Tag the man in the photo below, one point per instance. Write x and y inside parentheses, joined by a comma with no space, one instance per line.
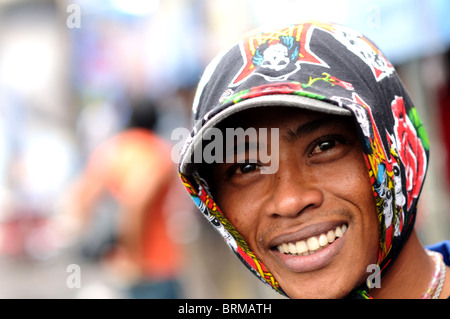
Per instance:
(320,190)
(135,170)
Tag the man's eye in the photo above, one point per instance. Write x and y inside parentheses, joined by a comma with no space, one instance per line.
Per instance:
(242,169)
(324,146)
(246,168)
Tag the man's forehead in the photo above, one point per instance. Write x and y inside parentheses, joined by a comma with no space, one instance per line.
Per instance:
(280,117)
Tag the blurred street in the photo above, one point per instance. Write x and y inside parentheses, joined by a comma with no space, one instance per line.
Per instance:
(48,279)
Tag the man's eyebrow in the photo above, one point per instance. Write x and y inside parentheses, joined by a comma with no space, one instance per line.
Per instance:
(312,126)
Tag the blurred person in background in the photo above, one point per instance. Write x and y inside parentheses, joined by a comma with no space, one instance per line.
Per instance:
(134,171)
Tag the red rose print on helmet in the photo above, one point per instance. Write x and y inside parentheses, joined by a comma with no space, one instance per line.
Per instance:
(410,150)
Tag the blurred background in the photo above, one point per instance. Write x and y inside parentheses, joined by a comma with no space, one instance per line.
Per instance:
(71,75)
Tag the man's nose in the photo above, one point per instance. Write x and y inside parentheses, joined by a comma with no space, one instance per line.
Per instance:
(294,191)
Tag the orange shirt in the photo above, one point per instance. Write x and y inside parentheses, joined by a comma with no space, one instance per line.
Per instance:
(135,165)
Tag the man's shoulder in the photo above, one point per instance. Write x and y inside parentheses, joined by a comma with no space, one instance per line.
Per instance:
(442,247)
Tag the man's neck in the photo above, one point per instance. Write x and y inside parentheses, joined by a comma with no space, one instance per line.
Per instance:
(410,274)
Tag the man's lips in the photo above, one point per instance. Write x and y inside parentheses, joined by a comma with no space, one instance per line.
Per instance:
(311,247)
(306,232)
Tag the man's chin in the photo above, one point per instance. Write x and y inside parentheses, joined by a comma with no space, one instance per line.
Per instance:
(326,287)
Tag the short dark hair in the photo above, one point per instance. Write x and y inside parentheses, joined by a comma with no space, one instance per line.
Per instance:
(144,114)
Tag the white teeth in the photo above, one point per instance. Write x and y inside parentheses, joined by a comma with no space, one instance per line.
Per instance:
(338,232)
(301,247)
(312,244)
(292,248)
(331,236)
(323,241)
(281,248)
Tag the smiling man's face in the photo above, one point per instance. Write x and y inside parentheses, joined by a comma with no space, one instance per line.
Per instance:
(312,223)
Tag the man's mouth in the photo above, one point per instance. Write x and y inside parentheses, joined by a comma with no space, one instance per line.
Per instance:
(312,244)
